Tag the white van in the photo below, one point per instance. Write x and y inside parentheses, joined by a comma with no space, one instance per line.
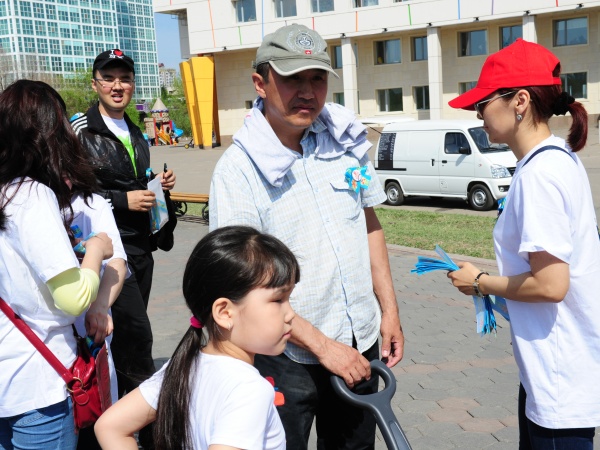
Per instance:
(443,158)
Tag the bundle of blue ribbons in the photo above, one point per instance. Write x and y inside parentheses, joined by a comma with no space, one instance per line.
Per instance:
(484,306)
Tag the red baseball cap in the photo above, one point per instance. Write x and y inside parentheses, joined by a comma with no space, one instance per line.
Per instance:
(521,64)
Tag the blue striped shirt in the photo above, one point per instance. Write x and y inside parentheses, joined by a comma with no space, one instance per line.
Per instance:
(322,221)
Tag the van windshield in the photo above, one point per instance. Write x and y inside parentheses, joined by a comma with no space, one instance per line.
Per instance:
(482,140)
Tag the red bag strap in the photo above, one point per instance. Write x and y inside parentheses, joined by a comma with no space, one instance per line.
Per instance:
(64,373)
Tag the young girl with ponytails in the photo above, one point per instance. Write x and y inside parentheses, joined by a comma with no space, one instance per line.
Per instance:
(237,284)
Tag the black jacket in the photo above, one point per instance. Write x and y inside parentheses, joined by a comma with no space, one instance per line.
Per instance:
(115,175)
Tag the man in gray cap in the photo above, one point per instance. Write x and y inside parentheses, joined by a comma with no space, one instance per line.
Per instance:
(298,169)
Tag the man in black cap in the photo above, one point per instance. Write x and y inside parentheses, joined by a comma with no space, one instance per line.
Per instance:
(120,156)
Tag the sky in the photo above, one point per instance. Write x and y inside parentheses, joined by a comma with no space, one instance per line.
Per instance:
(167,40)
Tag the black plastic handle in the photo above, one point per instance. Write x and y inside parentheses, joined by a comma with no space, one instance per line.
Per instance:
(379,403)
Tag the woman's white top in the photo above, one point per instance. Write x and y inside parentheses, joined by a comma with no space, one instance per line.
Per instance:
(230,404)
(33,249)
(549,208)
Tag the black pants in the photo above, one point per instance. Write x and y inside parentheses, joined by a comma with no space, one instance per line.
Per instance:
(308,394)
(535,437)
(132,338)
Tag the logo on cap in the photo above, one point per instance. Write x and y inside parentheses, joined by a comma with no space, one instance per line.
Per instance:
(303,42)
(116,53)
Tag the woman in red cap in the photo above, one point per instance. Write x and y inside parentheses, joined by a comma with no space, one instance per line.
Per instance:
(547,247)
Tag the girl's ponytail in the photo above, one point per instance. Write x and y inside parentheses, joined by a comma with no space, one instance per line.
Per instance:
(171,429)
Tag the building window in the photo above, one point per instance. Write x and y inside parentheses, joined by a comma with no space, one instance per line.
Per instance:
(570,31)
(466,86)
(76,31)
(87,32)
(38,10)
(319,6)
(42,45)
(336,57)
(56,64)
(96,17)
(508,35)
(390,99)
(54,46)
(52,29)
(89,49)
(361,3)
(575,84)
(419,48)
(245,10)
(387,52)
(421,94)
(28,27)
(472,43)
(285,8)
(29,45)
(50,12)
(25,8)
(338,97)
(40,28)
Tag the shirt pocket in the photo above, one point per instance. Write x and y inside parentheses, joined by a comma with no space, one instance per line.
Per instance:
(346,202)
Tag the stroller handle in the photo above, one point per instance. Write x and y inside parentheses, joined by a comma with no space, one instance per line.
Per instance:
(379,403)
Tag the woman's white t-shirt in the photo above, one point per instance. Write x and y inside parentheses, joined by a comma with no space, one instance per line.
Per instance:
(34,248)
(231,404)
(549,208)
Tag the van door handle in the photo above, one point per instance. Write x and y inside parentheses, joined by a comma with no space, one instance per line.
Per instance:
(444,161)
(432,162)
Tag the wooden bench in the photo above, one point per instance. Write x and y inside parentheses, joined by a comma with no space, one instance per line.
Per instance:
(181,199)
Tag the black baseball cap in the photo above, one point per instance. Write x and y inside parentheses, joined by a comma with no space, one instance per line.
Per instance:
(112,56)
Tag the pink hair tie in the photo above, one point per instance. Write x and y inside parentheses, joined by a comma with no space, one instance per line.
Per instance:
(195,323)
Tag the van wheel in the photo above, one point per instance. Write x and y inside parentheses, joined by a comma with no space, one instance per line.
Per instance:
(395,196)
(480,198)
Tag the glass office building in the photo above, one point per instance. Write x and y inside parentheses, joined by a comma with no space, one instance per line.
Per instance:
(45,38)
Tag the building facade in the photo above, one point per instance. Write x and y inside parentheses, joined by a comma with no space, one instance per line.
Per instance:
(59,37)
(395,58)
(167,77)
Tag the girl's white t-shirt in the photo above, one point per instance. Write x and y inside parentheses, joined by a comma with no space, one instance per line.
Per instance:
(231,404)
(549,208)
(96,216)
(33,249)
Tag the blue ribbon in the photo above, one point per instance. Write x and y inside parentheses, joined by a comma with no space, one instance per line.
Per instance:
(484,306)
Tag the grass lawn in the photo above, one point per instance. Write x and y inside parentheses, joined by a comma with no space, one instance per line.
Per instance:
(455,233)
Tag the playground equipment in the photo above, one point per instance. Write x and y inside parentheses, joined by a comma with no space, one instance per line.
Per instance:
(160,129)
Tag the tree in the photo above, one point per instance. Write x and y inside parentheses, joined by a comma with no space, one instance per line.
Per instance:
(177,105)
(77,91)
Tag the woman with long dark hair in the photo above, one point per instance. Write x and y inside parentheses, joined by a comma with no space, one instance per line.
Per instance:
(547,247)
(237,284)
(40,276)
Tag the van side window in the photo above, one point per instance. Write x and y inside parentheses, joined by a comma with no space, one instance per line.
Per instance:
(455,141)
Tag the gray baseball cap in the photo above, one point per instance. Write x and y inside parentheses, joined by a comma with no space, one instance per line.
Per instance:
(292,49)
